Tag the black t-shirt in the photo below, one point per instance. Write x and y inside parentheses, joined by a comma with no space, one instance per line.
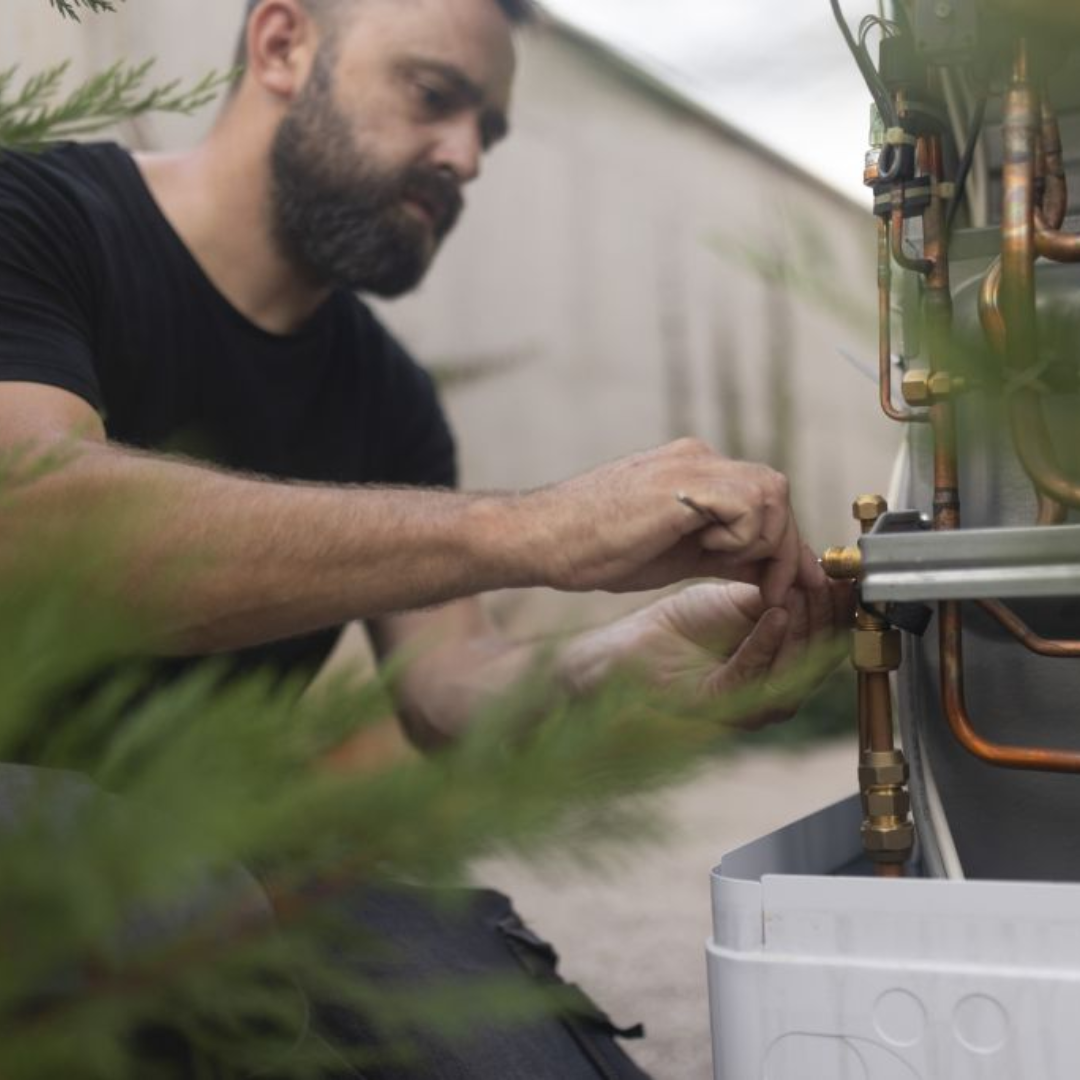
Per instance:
(99,296)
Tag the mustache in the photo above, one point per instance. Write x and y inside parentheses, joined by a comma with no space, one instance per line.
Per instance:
(439,191)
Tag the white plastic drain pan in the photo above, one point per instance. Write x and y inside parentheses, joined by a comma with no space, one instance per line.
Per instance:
(819,977)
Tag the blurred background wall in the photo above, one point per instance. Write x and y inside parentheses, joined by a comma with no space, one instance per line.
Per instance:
(631,269)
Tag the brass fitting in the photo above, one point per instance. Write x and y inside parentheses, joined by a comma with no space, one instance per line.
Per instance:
(888,841)
(892,802)
(883,769)
(867,509)
(921,388)
(842,563)
(888,834)
(876,650)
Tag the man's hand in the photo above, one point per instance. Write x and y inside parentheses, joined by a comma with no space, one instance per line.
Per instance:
(712,640)
(623,528)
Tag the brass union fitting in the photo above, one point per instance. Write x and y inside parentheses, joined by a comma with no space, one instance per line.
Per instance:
(891,802)
(883,769)
(888,841)
(842,563)
(888,834)
(876,650)
(921,388)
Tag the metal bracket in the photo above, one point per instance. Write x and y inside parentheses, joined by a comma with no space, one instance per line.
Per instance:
(946,31)
(904,563)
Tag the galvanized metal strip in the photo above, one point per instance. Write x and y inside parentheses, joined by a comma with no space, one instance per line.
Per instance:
(972,564)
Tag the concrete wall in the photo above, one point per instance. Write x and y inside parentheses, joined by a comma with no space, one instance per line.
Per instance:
(603,293)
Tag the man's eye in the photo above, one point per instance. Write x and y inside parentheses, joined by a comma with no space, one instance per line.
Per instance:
(433,98)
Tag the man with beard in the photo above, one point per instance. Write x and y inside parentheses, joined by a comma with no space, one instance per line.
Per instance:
(202,303)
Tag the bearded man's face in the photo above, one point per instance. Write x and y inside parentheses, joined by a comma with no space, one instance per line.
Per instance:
(339,215)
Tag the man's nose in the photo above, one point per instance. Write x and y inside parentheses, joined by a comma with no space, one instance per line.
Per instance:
(459,150)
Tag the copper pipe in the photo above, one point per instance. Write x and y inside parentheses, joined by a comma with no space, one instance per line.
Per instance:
(1017,227)
(1023,633)
(1055,200)
(993,322)
(1055,244)
(1050,511)
(937,305)
(878,700)
(1030,434)
(1049,215)
(952,693)
(1036,449)
(917,266)
(884,267)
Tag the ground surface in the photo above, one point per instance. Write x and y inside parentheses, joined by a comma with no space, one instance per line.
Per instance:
(634,937)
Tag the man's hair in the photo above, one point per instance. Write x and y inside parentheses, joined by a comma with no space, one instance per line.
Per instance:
(325,12)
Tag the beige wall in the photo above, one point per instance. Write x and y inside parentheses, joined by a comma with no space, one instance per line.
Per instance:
(595,288)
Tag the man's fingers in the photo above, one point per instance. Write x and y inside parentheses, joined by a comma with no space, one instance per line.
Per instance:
(819,598)
(754,658)
(782,569)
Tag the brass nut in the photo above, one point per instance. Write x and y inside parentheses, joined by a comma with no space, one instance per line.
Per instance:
(868,508)
(916,388)
(842,563)
(887,802)
(924,388)
(883,776)
(876,650)
(882,769)
(888,839)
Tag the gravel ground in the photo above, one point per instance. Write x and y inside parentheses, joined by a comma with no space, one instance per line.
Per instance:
(634,937)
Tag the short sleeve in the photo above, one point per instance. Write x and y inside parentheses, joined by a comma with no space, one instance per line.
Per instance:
(46,280)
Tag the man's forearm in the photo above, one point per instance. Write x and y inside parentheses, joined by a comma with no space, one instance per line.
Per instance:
(454,662)
(251,560)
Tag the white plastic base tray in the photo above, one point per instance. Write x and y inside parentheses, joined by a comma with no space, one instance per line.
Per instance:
(813,977)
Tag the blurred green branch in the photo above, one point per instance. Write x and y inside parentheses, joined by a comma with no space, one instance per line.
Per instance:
(68,8)
(37,112)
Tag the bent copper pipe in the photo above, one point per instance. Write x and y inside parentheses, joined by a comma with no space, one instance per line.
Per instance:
(1010,621)
(952,695)
(1050,241)
(993,322)
(885,333)
(1050,512)
(1036,449)
(916,266)
(1027,421)
(1055,200)
(1054,243)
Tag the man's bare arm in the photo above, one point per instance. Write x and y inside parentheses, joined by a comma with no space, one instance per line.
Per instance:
(265,560)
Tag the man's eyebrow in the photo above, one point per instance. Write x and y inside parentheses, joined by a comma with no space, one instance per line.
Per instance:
(496,125)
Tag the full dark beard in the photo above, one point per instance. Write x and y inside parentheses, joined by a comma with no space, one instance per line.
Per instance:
(339,219)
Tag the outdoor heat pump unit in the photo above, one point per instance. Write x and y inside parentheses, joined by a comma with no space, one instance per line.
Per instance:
(928,928)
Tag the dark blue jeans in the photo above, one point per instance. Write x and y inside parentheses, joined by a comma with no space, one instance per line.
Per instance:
(475,935)
(424,939)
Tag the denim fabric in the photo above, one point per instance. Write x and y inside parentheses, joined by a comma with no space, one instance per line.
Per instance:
(461,937)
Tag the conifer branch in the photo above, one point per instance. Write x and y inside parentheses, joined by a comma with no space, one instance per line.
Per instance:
(68,8)
(36,113)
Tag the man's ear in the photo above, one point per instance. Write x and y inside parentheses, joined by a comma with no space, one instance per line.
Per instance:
(282,40)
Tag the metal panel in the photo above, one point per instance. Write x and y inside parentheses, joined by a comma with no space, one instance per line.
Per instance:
(971,564)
